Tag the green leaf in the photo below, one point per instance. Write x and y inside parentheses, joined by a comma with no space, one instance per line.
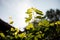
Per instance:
(30,26)
(29,10)
(38,11)
(42,35)
(11,22)
(46,29)
(22,35)
(58,22)
(29,36)
(37,32)
(2,35)
(39,36)
(44,22)
(27,19)
(51,24)
(35,38)
(39,17)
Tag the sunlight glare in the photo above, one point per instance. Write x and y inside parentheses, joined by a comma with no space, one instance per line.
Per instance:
(21,9)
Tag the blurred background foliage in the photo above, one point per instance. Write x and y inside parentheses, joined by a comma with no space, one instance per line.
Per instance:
(46,28)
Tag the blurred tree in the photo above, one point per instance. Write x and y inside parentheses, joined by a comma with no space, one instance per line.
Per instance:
(41,29)
(53,15)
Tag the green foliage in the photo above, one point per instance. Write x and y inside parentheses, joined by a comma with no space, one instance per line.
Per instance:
(30,12)
(2,35)
(39,17)
(36,30)
(10,20)
(38,11)
(29,18)
(53,15)
(30,26)
(44,23)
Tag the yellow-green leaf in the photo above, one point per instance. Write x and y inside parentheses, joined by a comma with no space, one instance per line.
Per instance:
(30,26)
(35,38)
(11,21)
(38,11)
(22,35)
(2,35)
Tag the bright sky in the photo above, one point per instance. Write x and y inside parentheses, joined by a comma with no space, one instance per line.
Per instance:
(17,9)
